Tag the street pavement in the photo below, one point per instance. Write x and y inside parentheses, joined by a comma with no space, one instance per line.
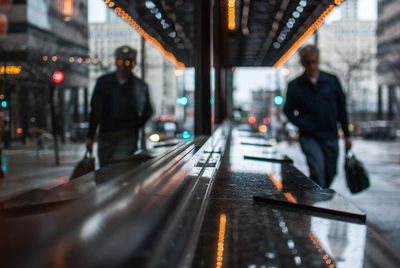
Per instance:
(28,168)
(381,202)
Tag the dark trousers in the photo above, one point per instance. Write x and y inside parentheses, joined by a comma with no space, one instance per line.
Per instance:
(116,145)
(321,159)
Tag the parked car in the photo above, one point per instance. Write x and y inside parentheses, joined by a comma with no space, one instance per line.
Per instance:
(79,131)
(161,130)
(378,130)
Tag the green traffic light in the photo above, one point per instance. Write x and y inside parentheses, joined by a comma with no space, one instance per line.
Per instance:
(278,100)
(182,101)
(186,135)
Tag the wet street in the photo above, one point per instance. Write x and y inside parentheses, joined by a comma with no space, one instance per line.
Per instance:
(27,168)
(381,201)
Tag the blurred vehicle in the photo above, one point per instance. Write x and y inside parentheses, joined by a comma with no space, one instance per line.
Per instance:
(378,130)
(162,129)
(79,131)
(290,131)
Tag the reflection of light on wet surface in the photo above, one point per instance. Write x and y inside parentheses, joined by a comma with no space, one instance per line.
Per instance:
(91,226)
(297,260)
(270,255)
(320,249)
(285,230)
(343,242)
(238,164)
(4,164)
(221,240)
(290,243)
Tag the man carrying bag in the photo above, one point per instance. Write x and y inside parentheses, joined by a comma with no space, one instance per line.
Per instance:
(356,175)
(84,166)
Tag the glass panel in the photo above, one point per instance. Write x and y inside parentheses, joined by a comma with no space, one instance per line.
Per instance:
(58,75)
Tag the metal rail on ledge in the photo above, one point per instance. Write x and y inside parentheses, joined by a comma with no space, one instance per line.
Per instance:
(149,216)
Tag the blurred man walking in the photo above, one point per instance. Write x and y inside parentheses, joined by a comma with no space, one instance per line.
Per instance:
(120,106)
(315,103)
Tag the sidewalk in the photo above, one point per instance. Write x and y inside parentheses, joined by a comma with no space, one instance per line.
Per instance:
(381,201)
(27,168)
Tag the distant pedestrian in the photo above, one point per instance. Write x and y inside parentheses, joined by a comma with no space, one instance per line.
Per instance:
(120,106)
(315,102)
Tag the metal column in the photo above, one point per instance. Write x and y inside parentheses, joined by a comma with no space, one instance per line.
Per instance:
(221,54)
(202,107)
(86,104)
(390,114)
(380,113)
(143,75)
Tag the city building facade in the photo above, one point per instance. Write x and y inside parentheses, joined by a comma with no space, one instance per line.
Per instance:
(38,38)
(388,35)
(349,9)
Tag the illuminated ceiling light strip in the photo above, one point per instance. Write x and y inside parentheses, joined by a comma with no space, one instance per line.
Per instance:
(304,37)
(146,36)
(231,15)
(221,241)
(272,33)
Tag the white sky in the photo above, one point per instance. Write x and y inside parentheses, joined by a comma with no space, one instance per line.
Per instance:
(97,11)
(367,10)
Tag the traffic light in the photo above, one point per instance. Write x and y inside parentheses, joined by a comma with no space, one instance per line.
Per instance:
(252,120)
(4,104)
(186,135)
(58,77)
(182,101)
(278,100)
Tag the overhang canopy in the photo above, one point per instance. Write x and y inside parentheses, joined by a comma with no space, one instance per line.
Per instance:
(261,32)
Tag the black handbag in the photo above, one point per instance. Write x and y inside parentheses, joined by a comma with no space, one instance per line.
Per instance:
(356,175)
(84,166)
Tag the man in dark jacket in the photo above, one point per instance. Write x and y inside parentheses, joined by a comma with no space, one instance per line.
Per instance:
(315,102)
(120,106)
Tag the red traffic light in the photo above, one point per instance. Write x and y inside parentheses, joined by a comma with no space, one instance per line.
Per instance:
(58,77)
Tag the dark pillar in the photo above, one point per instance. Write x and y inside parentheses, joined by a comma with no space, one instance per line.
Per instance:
(24,113)
(202,113)
(86,104)
(76,105)
(60,114)
(380,112)
(54,124)
(142,59)
(221,60)
(390,114)
(229,91)
(143,75)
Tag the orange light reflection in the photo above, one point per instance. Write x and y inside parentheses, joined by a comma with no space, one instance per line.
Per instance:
(221,240)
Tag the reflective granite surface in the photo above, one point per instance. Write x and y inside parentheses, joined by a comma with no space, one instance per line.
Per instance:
(327,231)
(193,207)
(324,201)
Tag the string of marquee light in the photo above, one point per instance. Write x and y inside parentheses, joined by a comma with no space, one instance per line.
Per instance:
(146,36)
(231,15)
(305,35)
